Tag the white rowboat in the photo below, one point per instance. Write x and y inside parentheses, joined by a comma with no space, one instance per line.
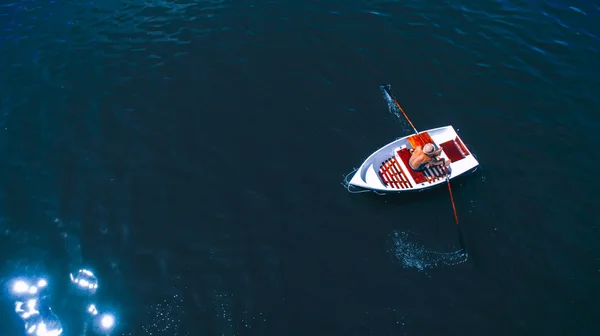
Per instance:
(387,170)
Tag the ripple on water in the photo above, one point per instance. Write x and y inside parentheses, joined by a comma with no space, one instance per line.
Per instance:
(413,255)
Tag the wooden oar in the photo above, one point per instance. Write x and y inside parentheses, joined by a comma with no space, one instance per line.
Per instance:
(460,237)
(452,198)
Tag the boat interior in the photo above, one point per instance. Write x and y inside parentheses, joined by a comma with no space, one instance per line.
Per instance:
(393,171)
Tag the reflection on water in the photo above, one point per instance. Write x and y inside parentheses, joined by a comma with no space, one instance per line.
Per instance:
(85,280)
(31,300)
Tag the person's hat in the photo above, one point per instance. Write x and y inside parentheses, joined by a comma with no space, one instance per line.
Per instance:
(428,148)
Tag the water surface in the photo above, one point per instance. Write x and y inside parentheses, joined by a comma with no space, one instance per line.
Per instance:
(191,154)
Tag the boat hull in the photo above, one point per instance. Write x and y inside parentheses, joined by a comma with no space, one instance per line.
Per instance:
(387,169)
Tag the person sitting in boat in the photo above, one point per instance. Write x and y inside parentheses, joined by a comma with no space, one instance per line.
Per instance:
(425,157)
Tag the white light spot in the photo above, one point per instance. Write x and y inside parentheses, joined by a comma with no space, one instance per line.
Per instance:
(20,287)
(31,303)
(42,283)
(31,329)
(92,310)
(107,321)
(42,330)
(33,290)
(85,281)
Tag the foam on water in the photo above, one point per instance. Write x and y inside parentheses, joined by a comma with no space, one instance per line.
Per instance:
(413,255)
(394,109)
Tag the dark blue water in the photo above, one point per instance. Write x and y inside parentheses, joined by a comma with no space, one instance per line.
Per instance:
(191,154)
